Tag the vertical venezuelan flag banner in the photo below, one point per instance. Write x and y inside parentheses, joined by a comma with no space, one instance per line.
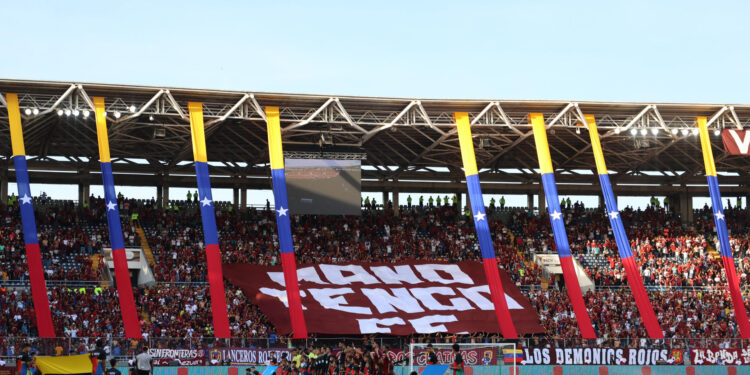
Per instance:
(721,230)
(482,227)
(558,226)
(122,274)
(208,216)
(33,255)
(283,224)
(632,270)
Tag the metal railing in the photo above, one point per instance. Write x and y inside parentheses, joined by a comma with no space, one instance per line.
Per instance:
(123,347)
(51,283)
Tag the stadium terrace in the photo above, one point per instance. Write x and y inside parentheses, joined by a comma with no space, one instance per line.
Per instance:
(552,282)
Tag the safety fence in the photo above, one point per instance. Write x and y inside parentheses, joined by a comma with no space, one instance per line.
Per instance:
(10,346)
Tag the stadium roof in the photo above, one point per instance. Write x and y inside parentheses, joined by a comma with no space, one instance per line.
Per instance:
(410,143)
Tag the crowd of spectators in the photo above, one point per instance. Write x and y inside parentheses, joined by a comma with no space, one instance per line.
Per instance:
(670,254)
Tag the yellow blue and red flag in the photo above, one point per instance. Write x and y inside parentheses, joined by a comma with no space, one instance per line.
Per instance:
(621,237)
(28,222)
(208,218)
(725,249)
(119,258)
(486,247)
(283,224)
(558,227)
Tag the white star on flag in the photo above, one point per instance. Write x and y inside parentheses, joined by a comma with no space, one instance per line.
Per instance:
(282,211)
(111,206)
(719,216)
(479,216)
(555,215)
(26,199)
(613,215)
(206,201)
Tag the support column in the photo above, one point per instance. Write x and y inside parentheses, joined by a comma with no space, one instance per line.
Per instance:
(601,201)
(243,198)
(385,199)
(159,195)
(683,208)
(83,187)
(675,203)
(686,208)
(542,201)
(236,197)
(4,187)
(530,202)
(396,208)
(165,195)
(80,195)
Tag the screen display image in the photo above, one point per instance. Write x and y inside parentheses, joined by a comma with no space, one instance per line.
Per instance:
(323,186)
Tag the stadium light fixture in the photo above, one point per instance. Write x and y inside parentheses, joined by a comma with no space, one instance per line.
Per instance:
(685,131)
(717,132)
(132,109)
(578,130)
(59,112)
(35,111)
(86,113)
(695,131)
(654,131)
(118,114)
(27,111)
(67,112)
(617,130)
(76,112)
(151,118)
(644,131)
(675,131)
(634,131)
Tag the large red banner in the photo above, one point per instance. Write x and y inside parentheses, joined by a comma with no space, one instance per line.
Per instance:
(403,299)
(716,356)
(736,142)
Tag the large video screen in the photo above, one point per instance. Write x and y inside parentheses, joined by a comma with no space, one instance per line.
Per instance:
(323,186)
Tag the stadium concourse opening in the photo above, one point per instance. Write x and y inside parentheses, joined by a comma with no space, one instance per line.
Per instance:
(372,278)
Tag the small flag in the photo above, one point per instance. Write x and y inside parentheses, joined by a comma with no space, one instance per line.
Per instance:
(512,356)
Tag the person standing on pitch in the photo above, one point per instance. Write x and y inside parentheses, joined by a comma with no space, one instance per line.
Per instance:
(100,355)
(112,370)
(432,358)
(458,361)
(25,359)
(143,362)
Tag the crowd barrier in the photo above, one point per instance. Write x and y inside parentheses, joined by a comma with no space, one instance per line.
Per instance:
(498,370)
(10,345)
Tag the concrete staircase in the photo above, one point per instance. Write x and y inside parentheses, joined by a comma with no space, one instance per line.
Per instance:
(144,243)
(95,265)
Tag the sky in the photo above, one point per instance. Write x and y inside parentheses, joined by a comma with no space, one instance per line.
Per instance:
(654,51)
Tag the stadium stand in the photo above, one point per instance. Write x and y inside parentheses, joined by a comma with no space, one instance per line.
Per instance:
(678,264)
